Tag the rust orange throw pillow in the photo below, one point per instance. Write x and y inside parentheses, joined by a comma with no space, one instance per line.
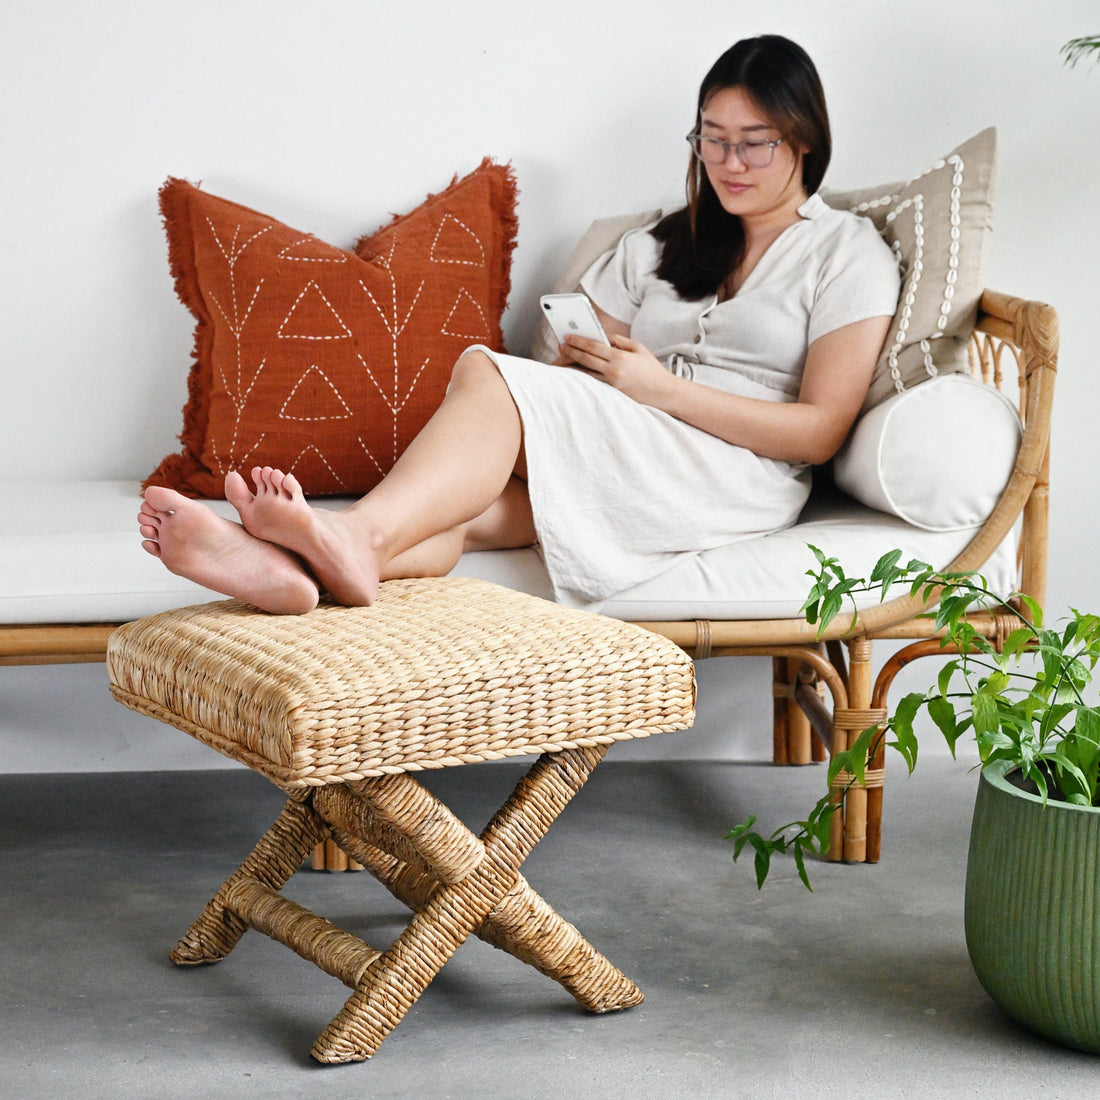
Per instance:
(320,361)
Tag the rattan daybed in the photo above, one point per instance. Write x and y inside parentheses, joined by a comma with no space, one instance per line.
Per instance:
(1013,338)
(73,567)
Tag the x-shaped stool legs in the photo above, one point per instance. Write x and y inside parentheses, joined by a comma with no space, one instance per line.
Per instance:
(455,882)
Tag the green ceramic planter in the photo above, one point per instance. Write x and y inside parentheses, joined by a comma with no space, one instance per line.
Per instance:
(1033,909)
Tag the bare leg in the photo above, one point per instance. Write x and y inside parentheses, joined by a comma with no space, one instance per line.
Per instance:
(452,473)
(195,543)
(505,525)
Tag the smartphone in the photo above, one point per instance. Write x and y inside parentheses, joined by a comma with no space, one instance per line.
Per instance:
(572,313)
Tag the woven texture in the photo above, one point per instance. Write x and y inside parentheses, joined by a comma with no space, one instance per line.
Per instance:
(455,882)
(436,673)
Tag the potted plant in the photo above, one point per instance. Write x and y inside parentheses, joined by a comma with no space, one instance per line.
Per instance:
(1032,908)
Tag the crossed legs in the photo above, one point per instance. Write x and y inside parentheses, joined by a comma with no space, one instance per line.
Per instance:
(459,485)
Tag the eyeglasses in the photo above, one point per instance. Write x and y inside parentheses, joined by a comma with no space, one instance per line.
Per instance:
(753,154)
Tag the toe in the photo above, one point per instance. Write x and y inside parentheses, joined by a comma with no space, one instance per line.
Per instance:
(236,490)
(161,499)
(291,486)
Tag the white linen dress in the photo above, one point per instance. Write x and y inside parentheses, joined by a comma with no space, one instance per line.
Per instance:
(619,490)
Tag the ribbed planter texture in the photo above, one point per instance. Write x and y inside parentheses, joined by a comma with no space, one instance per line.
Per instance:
(1033,909)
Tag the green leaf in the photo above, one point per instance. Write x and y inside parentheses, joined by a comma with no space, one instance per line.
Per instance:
(902,724)
(762,863)
(820,823)
(1083,745)
(830,607)
(740,835)
(942,713)
(1018,641)
(983,709)
(855,759)
(1071,781)
(886,566)
(1034,611)
(800,864)
(943,681)
(1077,48)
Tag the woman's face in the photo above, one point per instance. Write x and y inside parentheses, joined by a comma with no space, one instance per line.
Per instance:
(731,115)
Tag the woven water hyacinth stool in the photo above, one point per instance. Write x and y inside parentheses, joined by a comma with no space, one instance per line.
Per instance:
(340,706)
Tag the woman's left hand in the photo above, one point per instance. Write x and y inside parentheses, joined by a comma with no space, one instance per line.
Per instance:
(626,366)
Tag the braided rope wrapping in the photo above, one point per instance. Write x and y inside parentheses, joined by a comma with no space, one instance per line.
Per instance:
(438,672)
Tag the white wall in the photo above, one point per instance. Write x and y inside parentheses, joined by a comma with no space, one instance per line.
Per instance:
(306,111)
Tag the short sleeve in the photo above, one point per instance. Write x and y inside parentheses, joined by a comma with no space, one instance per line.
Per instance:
(859,280)
(616,281)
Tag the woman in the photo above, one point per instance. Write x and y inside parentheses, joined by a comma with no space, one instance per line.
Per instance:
(744,330)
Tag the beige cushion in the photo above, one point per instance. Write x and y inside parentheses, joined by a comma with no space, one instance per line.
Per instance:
(938,226)
(904,456)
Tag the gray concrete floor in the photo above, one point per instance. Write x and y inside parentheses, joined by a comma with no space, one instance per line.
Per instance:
(861,988)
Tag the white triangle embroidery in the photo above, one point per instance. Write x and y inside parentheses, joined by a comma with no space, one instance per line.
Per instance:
(314,292)
(311,450)
(464,302)
(312,250)
(462,245)
(287,412)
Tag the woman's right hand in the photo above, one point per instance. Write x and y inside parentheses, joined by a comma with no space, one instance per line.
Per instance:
(612,327)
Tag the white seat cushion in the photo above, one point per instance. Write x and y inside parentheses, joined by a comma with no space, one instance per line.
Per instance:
(70,552)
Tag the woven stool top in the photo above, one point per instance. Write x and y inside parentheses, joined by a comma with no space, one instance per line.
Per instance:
(437,672)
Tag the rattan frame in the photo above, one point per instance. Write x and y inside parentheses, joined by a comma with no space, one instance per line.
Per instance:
(1009,331)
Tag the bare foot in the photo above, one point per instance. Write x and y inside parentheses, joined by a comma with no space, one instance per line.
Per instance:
(345,561)
(195,543)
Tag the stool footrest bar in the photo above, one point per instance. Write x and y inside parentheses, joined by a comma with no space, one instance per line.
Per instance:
(317,940)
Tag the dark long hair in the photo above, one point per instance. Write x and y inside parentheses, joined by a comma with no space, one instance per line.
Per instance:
(701,243)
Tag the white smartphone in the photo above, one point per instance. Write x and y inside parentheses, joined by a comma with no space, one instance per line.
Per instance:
(572,313)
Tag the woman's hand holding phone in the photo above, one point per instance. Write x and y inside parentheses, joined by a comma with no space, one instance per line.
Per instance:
(625,365)
(572,315)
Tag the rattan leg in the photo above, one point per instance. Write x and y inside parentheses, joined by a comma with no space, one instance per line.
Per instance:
(477,888)
(854,844)
(781,693)
(799,733)
(395,981)
(876,783)
(272,862)
(523,924)
(836,796)
(793,740)
(329,856)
